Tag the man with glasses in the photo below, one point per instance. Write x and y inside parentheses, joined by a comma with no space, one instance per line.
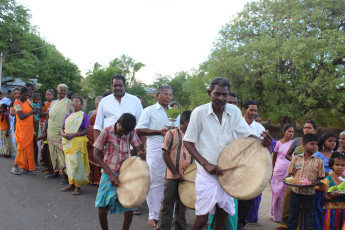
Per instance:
(152,124)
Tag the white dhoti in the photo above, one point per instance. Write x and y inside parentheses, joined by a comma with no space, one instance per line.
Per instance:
(157,170)
(208,193)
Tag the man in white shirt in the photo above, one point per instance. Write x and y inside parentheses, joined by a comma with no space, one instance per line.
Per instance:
(248,210)
(210,129)
(152,124)
(114,105)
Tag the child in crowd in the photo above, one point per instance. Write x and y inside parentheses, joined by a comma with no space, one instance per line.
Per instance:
(114,142)
(335,202)
(310,167)
(328,142)
(36,104)
(6,148)
(177,160)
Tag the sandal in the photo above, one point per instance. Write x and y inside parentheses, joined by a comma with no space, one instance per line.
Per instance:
(52,176)
(28,172)
(76,192)
(67,189)
(15,171)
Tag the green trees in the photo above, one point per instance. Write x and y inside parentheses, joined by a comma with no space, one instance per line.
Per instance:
(288,55)
(28,56)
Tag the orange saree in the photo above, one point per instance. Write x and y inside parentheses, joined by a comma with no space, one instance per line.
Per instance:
(25,136)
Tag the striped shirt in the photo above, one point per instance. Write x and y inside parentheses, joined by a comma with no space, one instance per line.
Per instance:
(115,148)
(173,144)
(310,169)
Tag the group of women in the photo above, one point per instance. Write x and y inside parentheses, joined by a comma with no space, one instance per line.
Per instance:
(62,135)
(281,157)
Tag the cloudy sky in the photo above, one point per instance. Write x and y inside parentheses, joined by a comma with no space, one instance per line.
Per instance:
(166,35)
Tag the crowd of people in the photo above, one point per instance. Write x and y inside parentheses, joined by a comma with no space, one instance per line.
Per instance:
(89,149)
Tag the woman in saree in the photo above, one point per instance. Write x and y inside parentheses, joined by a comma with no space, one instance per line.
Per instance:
(280,166)
(57,113)
(95,169)
(24,134)
(74,141)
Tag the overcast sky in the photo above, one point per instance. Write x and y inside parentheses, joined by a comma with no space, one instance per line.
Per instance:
(166,35)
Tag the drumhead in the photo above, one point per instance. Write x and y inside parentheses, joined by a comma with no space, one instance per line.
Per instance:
(134,178)
(247,168)
(186,188)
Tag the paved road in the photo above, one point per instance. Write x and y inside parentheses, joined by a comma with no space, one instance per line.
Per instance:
(32,202)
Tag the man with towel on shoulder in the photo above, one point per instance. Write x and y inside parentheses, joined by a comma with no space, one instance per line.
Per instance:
(152,124)
(211,128)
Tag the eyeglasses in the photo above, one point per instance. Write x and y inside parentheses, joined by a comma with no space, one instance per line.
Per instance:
(167,95)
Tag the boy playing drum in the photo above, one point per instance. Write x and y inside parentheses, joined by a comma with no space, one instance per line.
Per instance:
(114,142)
(177,160)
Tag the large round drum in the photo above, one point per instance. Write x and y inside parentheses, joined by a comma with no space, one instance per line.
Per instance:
(134,178)
(247,168)
(186,188)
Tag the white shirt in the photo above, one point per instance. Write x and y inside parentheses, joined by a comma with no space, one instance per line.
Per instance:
(153,117)
(109,110)
(256,128)
(210,136)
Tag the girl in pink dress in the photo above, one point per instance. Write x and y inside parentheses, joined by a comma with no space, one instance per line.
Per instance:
(280,165)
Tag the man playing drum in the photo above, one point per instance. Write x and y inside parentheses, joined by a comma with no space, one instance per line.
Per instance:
(114,141)
(211,128)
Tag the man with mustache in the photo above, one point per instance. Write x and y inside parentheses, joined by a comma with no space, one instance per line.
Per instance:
(213,126)
(114,105)
(152,124)
(249,209)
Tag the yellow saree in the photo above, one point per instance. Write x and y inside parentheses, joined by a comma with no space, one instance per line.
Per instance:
(77,162)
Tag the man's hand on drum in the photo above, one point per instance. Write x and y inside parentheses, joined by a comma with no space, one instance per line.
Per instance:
(266,139)
(114,180)
(142,155)
(212,169)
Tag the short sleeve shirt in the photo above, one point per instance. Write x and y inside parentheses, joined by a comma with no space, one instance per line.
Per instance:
(115,148)
(173,144)
(153,117)
(296,147)
(211,136)
(310,169)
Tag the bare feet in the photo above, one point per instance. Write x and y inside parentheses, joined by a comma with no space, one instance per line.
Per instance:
(152,223)
(68,188)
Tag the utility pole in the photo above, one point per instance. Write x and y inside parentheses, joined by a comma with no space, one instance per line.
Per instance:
(1,56)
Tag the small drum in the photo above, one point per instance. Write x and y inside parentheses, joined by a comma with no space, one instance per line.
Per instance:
(134,178)
(186,188)
(247,168)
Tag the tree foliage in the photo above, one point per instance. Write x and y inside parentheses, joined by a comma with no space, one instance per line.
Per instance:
(128,66)
(288,55)
(28,56)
